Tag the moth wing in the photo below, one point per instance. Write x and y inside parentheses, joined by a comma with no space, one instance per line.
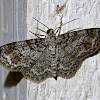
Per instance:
(74,47)
(19,56)
(41,69)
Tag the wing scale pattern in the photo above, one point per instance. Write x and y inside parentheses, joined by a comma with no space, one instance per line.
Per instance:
(33,57)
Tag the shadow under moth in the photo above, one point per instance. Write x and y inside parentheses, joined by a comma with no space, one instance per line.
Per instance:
(52,56)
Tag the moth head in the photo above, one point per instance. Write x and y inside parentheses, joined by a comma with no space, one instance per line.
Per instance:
(50,32)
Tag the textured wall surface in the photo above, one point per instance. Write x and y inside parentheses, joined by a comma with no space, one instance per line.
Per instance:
(12,28)
(85,85)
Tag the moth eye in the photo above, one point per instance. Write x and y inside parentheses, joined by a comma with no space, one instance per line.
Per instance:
(49,31)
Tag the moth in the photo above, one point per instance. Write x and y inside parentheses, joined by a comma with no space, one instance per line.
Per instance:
(52,56)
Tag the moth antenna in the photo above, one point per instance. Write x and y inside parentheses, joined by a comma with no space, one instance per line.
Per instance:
(41,23)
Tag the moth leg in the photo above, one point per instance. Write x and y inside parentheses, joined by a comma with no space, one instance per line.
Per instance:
(38,35)
(61,24)
(69,21)
(41,30)
(59,28)
(34,34)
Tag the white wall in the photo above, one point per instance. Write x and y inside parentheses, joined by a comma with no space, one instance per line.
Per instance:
(85,85)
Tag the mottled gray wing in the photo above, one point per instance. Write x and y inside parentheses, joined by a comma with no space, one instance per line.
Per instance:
(20,56)
(41,69)
(74,47)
